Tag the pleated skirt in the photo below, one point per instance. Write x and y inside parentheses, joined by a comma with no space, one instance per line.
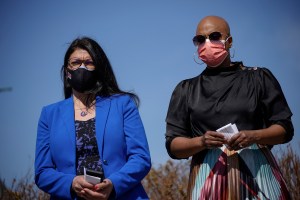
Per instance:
(250,173)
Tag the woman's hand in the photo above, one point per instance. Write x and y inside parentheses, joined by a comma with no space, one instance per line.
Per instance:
(78,185)
(183,147)
(241,140)
(100,191)
(212,139)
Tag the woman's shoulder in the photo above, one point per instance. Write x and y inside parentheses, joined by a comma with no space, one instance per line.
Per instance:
(117,98)
(186,84)
(119,102)
(261,76)
(258,70)
(183,88)
(57,104)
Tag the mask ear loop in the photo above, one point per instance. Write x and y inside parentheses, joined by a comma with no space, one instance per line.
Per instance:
(197,60)
(231,49)
(232,52)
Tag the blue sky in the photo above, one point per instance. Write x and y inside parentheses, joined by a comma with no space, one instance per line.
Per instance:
(149,44)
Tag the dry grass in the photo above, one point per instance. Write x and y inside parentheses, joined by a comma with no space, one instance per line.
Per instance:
(168,181)
(23,189)
(289,164)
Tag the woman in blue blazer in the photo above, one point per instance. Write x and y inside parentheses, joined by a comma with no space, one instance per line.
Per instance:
(97,127)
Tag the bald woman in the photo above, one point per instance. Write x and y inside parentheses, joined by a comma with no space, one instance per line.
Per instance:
(239,166)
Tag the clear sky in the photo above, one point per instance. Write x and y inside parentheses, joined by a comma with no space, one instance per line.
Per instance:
(149,44)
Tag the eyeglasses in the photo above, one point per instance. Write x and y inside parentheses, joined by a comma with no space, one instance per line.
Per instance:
(200,39)
(76,63)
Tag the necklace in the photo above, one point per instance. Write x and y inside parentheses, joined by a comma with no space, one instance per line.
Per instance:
(84,111)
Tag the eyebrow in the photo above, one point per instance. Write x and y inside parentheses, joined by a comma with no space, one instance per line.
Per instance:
(77,58)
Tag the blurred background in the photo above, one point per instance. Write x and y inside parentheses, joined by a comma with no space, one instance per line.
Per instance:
(149,44)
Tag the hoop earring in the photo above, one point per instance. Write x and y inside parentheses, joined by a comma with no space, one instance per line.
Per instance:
(232,52)
(195,59)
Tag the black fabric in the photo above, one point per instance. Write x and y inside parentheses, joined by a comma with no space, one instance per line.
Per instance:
(249,97)
(87,154)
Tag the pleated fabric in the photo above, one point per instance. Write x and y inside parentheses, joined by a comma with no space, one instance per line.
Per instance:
(250,173)
(251,98)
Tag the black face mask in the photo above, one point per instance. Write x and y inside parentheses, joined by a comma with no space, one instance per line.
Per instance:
(82,80)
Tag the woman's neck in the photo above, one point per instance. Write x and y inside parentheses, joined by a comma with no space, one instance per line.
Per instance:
(226,62)
(83,100)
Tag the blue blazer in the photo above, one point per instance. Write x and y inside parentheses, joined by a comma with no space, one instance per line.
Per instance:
(121,140)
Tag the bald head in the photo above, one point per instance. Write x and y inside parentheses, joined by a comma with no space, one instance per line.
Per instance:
(211,24)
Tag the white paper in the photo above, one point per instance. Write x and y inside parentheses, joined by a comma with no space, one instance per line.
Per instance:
(228,130)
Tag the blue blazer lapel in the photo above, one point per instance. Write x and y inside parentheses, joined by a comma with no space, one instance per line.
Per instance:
(67,114)
(102,110)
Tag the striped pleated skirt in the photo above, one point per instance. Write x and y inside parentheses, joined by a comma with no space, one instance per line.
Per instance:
(250,173)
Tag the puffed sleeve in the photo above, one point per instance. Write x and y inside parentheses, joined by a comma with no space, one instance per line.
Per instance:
(274,104)
(177,120)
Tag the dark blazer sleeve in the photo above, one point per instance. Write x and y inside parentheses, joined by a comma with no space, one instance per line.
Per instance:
(46,177)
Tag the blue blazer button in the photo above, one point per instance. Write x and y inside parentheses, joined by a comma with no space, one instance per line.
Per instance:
(105,162)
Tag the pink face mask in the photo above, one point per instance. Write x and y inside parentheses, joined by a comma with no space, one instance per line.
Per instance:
(212,53)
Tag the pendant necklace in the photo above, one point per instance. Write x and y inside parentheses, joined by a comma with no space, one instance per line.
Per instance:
(83,113)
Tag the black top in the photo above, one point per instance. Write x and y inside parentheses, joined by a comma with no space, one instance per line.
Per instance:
(249,97)
(87,154)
